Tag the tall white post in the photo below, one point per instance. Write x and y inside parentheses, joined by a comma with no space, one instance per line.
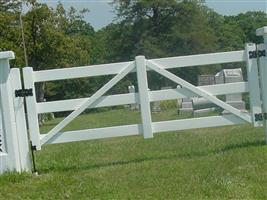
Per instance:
(144,97)
(22,133)
(253,84)
(10,156)
(32,114)
(262,51)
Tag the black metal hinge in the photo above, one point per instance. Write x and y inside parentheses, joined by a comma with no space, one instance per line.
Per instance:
(23,93)
(256,54)
(260,117)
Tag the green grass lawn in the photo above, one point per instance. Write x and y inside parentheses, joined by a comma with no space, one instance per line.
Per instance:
(217,163)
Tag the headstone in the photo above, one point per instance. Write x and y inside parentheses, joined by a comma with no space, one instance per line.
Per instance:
(200,104)
(232,76)
(186,107)
(156,107)
(206,80)
(179,101)
(219,78)
(132,107)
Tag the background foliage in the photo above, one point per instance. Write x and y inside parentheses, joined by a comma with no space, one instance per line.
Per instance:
(60,38)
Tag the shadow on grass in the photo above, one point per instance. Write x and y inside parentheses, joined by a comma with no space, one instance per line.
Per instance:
(188,155)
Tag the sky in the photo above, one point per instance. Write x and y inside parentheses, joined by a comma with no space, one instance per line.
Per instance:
(101,12)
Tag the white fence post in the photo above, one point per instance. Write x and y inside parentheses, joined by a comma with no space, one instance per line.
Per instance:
(253,84)
(10,156)
(263,73)
(32,114)
(143,96)
(24,150)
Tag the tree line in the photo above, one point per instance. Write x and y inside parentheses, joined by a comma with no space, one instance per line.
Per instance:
(59,38)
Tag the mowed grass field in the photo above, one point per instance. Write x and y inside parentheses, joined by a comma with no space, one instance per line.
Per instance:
(217,163)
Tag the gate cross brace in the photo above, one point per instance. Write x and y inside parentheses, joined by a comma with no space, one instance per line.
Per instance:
(89,101)
(199,91)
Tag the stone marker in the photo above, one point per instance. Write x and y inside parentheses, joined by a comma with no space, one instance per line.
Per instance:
(132,107)
(232,76)
(187,107)
(206,80)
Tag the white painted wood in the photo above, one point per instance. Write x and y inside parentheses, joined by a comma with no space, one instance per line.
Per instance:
(7,55)
(98,133)
(32,114)
(22,133)
(10,161)
(114,68)
(194,123)
(79,72)
(87,103)
(254,85)
(72,104)
(201,59)
(199,91)
(263,82)
(136,129)
(141,72)
(220,89)
(133,98)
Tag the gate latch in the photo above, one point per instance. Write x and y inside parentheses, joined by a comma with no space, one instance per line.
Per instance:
(23,93)
(255,54)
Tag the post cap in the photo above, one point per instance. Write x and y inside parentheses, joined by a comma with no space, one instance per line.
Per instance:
(261,31)
(7,55)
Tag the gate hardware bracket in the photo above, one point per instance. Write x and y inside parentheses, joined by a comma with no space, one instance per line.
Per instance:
(261,53)
(23,93)
(258,117)
(256,54)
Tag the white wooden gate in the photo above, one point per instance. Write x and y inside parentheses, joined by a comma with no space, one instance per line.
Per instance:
(254,57)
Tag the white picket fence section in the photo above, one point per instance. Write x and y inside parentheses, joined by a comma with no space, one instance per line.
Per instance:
(15,155)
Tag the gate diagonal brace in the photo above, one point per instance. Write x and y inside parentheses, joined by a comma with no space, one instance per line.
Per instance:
(244,116)
(89,101)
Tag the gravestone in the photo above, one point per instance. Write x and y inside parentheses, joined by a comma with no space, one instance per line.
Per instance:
(201,105)
(186,107)
(206,80)
(232,76)
(132,107)
(179,101)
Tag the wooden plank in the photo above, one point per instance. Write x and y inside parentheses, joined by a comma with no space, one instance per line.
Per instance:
(136,129)
(114,68)
(79,72)
(12,160)
(199,92)
(254,85)
(32,114)
(132,98)
(7,55)
(263,82)
(98,133)
(201,59)
(87,103)
(194,123)
(143,96)
(23,143)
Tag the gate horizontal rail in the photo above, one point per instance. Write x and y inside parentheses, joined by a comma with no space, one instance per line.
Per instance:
(114,68)
(132,98)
